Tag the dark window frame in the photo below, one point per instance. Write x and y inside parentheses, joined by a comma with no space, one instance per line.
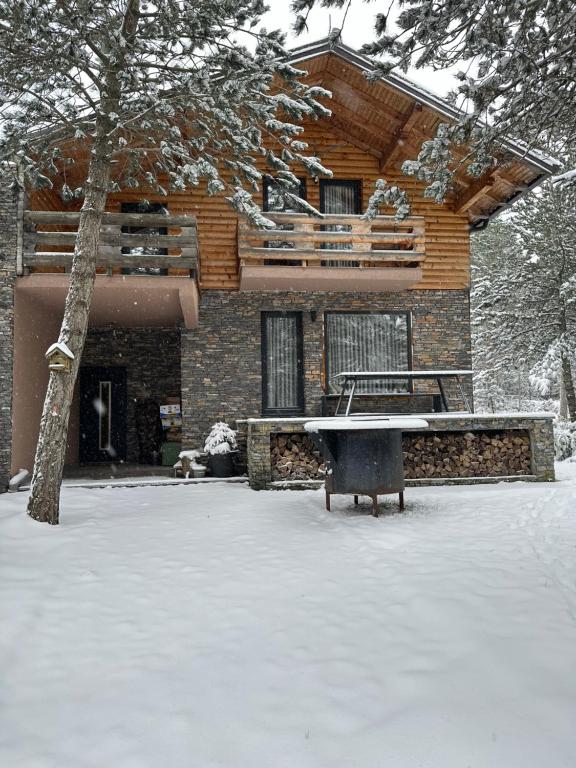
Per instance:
(299,409)
(409,356)
(268,181)
(138,207)
(355,184)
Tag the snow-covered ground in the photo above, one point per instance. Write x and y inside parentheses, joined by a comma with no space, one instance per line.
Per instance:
(210,625)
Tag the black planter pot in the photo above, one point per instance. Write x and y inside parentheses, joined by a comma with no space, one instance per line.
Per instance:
(222,464)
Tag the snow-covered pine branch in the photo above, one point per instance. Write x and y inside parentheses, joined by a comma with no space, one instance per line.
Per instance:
(194,104)
(516,63)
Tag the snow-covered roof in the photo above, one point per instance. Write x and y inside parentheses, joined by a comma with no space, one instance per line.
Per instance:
(60,346)
(534,157)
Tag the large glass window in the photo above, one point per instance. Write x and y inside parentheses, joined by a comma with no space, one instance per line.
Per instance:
(367,341)
(282,363)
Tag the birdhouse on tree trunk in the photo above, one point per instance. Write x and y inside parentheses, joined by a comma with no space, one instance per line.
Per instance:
(59,357)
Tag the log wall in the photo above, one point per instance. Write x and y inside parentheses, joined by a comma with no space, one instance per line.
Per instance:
(468,447)
(447,242)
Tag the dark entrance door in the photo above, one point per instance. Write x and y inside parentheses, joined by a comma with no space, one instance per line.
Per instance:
(103,405)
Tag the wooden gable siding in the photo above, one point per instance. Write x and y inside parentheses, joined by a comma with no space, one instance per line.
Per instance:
(447,264)
(392,125)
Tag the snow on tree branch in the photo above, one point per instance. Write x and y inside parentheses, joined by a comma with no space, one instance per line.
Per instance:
(516,64)
(193,104)
(524,297)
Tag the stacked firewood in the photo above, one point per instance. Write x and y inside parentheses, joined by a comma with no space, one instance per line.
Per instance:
(450,454)
(295,457)
(467,454)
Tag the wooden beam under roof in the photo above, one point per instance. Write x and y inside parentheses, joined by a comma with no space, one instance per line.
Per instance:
(474,192)
(343,128)
(346,131)
(338,86)
(381,131)
(506,176)
(401,132)
(377,136)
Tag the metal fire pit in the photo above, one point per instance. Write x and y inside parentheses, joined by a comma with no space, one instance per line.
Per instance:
(363,455)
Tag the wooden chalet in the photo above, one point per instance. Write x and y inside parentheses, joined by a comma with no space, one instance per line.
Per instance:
(211,319)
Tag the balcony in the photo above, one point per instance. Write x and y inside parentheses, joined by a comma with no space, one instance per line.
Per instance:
(145,278)
(331,253)
(50,236)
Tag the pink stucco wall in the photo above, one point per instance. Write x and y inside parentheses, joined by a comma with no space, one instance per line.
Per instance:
(36,326)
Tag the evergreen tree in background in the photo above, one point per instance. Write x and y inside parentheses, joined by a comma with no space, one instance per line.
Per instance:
(524,298)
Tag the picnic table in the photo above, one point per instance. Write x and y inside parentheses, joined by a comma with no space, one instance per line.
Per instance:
(354,377)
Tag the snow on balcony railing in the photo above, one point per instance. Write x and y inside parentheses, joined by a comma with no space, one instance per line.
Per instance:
(332,241)
(50,236)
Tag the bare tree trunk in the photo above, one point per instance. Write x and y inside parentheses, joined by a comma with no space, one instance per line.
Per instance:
(567,378)
(568,382)
(44,500)
(563,408)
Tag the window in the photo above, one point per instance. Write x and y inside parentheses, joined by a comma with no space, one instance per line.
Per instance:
(367,341)
(274,202)
(339,197)
(140,251)
(282,364)
(104,406)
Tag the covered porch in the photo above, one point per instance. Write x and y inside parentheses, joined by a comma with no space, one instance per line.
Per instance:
(127,396)
(132,355)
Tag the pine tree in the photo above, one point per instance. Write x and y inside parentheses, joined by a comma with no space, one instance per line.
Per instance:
(160,95)
(524,295)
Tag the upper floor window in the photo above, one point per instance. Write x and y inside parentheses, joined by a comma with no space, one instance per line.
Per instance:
(140,250)
(273,199)
(275,202)
(340,197)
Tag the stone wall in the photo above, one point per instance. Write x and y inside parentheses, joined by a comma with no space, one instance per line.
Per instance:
(152,360)
(221,359)
(537,462)
(8,244)
(435,455)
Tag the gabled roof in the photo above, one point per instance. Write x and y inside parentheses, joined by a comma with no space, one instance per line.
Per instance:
(522,167)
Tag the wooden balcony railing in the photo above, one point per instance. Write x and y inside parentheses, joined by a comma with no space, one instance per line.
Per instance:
(310,241)
(308,253)
(49,238)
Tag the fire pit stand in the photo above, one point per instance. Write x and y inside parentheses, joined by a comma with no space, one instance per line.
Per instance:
(363,455)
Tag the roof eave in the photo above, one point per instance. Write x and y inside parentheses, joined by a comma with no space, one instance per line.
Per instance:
(482,221)
(537,160)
